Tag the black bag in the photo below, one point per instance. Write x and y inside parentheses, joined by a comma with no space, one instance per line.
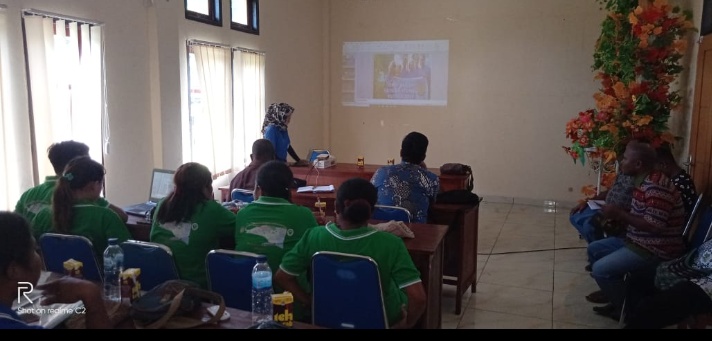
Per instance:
(458,196)
(172,304)
(459,169)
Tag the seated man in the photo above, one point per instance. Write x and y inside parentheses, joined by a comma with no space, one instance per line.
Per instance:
(262,151)
(668,166)
(654,233)
(583,217)
(408,184)
(36,198)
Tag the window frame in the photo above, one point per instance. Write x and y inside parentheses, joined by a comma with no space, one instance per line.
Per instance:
(213,18)
(253,18)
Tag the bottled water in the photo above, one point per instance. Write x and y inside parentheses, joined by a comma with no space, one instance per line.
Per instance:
(261,291)
(113,266)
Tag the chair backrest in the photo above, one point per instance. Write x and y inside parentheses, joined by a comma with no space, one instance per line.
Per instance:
(57,248)
(703,230)
(242,195)
(693,215)
(230,274)
(384,212)
(155,261)
(346,292)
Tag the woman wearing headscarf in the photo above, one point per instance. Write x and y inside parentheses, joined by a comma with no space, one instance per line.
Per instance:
(274,128)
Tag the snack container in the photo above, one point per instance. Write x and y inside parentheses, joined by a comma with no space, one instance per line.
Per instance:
(282,308)
(130,284)
(73,268)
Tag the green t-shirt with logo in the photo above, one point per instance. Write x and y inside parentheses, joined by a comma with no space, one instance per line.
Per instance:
(91,219)
(36,198)
(190,241)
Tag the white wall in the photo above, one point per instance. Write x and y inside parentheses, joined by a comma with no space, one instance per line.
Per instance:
(518,70)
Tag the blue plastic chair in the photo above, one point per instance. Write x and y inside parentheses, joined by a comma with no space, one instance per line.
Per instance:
(346,292)
(57,248)
(230,274)
(155,261)
(388,213)
(242,195)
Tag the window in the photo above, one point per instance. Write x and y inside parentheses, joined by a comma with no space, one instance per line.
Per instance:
(226,105)
(205,11)
(64,70)
(245,16)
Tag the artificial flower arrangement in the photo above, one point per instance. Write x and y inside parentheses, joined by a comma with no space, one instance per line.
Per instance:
(637,57)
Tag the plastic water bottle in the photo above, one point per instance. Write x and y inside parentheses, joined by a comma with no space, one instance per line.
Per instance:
(113,266)
(261,291)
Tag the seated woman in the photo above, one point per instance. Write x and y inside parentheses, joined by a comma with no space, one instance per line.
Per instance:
(271,225)
(403,293)
(77,207)
(190,222)
(20,263)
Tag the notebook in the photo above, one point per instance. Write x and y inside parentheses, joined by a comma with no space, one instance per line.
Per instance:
(161,186)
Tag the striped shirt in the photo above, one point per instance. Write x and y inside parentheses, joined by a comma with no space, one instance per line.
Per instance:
(658,201)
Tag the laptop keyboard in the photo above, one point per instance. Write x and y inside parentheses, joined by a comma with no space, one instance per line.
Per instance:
(140,209)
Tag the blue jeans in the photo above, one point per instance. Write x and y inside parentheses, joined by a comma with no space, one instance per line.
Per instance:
(603,247)
(582,222)
(609,270)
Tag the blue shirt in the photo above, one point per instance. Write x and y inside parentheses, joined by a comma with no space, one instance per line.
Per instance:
(10,320)
(280,141)
(409,186)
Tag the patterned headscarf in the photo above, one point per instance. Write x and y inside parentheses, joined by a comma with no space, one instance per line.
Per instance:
(277,114)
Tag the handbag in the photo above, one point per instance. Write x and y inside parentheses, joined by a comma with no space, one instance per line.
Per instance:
(680,269)
(174,304)
(459,169)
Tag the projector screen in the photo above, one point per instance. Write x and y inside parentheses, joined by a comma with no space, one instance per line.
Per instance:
(395,73)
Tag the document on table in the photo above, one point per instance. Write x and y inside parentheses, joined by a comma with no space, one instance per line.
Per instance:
(30,310)
(596,204)
(315,189)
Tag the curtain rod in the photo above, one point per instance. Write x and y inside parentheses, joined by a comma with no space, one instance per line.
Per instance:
(248,50)
(207,43)
(59,16)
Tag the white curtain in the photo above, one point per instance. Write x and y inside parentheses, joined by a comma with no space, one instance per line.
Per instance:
(249,96)
(15,165)
(211,127)
(65,82)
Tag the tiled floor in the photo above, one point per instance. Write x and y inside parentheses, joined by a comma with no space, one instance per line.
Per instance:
(530,273)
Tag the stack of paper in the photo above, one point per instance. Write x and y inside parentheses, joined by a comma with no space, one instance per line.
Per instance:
(316,189)
(596,204)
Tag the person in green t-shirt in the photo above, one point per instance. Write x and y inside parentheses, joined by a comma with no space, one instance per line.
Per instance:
(271,225)
(403,292)
(77,207)
(37,198)
(190,222)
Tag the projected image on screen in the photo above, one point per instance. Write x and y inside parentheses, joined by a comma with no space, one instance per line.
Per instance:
(395,73)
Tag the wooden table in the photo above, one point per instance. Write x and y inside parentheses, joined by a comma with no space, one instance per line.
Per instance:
(239,319)
(341,172)
(460,243)
(426,250)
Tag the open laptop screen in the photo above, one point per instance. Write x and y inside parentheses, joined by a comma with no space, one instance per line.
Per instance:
(161,184)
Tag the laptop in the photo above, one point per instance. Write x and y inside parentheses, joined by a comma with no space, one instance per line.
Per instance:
(161,186)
